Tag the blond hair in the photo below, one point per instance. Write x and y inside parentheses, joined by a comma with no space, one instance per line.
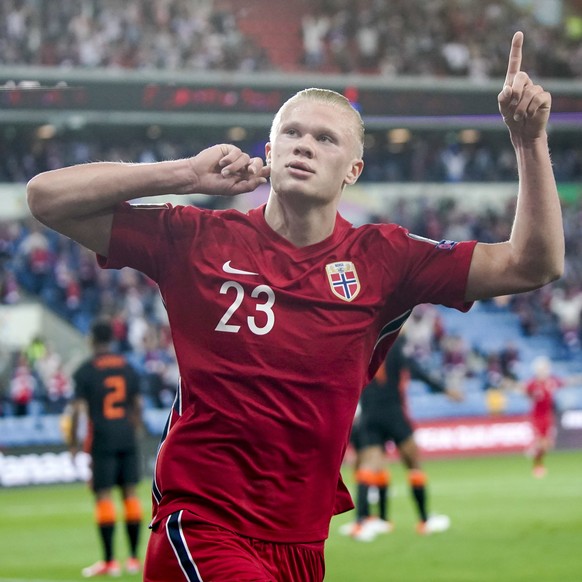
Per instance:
(329,97)
(542,366)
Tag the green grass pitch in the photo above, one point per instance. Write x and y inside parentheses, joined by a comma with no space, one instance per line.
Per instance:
(506,527)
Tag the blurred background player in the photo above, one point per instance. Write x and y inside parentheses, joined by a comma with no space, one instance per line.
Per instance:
(541,389)
(383,418)
(107,392)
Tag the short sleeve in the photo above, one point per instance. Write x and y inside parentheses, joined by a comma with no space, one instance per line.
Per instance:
(146,236)
(433,271)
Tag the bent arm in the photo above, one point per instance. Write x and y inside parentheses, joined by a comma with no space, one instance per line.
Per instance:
(79,409)
(418,372)
(534,254)
(79,201)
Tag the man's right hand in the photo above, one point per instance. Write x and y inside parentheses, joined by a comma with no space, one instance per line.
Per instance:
(525,107)
(226,170)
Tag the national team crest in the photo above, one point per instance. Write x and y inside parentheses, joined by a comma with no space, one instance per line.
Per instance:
(343,280)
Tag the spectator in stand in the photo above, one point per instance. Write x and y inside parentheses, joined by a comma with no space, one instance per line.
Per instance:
(397,40)
(314,28)
(158,363)
(363,37)
(509,358)
(36,351)
(455,358)
(23,387)
(493,377)
(55,385)
(120,331)
(9,288)
(6,371)
(500,368)
(133,35)
(59,390)
(38,258)
(418,160)
(423,331)
(566,305)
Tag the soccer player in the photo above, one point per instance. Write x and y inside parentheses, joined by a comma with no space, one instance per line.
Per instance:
(107,392)
(383,418)
(541,389)
(282,315)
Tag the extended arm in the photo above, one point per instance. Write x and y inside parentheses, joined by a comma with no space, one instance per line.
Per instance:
(79,201)
(418,372)
(434,383)
(79,409)
(534,254)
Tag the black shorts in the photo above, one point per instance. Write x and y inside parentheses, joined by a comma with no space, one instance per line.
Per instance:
(115,468)
(380,427)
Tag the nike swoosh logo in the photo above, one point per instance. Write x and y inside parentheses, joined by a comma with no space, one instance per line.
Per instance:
(228,269)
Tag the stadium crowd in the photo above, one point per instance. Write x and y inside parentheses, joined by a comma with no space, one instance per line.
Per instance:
(133,34)
(441,38)
(401,37)
(412,37)
(425,157)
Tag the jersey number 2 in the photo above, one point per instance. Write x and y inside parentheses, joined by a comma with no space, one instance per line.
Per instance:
(114,398)
(265,307)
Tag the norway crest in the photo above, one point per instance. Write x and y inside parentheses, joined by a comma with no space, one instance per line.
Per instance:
(343,280)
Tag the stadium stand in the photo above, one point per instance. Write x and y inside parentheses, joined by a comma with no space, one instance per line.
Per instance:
(137,34)
(403,37)
(427,156)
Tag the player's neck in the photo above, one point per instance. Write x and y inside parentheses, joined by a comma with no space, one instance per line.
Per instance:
(300,225)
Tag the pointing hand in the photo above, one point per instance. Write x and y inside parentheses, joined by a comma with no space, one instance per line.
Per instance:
(525,107)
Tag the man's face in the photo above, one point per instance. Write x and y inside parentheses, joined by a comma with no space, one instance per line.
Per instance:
(314,152)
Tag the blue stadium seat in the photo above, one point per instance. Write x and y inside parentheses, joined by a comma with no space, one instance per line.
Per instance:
(23,431)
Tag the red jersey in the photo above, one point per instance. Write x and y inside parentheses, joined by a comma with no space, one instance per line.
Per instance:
(274,345)
(541,391)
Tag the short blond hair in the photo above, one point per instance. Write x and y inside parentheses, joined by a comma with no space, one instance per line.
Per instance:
(542,366)
(323,96)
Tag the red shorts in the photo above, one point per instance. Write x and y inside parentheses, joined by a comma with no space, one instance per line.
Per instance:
(184,547)
(543,426)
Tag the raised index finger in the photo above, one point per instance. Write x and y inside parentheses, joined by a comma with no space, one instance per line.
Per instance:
(514,65)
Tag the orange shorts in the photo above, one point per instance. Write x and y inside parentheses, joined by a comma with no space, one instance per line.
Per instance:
(184,547)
